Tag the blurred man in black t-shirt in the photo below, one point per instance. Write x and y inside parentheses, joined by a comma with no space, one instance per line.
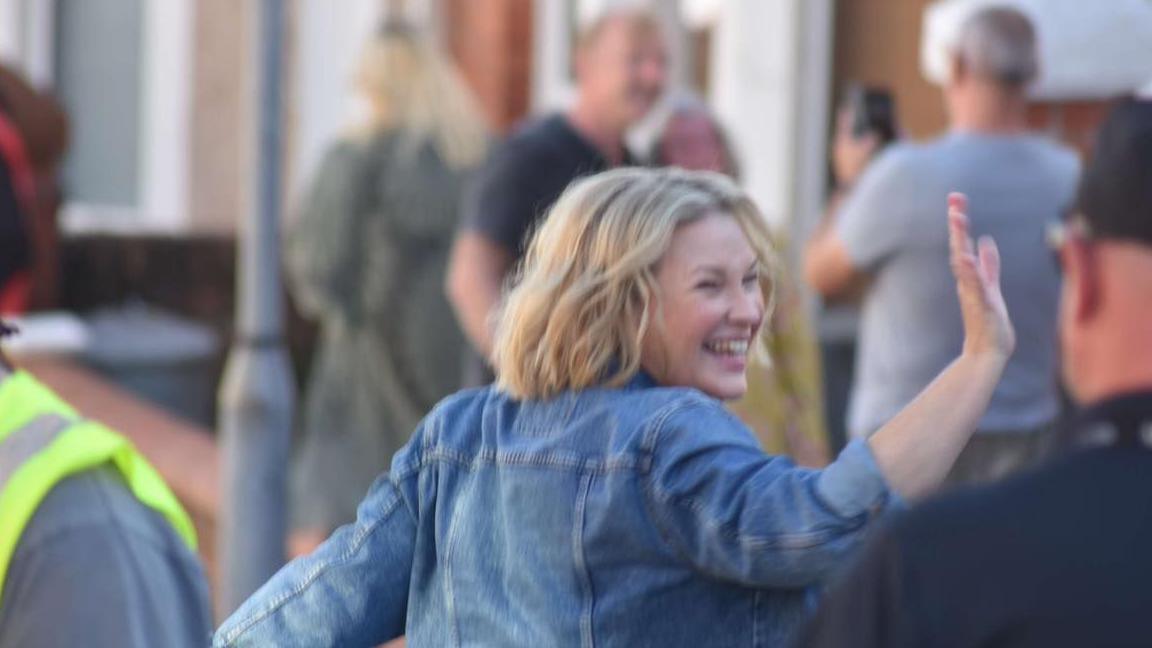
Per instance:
(621,64)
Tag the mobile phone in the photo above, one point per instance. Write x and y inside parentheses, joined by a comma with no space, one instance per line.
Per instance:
(873,111)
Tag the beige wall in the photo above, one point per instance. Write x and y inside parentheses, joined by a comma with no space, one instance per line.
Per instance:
(222,127)
(878,42)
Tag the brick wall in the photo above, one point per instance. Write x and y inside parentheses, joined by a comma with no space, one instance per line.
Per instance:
(491,41)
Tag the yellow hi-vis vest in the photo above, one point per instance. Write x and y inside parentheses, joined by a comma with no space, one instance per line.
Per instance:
(43,441)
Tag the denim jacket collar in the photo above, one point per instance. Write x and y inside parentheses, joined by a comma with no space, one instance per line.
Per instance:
(642,380)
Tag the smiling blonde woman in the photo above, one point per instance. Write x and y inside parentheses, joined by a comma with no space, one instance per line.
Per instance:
(587,296)
(599,493)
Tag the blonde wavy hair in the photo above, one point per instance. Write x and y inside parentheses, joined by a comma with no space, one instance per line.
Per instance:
(415,89)
(586,294)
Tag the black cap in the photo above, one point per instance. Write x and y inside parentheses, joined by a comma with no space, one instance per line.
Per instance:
(1116,189)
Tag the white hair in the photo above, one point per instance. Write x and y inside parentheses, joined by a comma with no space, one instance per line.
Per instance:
(999,43)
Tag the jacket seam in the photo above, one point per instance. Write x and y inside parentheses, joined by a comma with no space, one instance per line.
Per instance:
(648,445)
(588,605)
(471,461)
(804,540)
(756,598)
(449,590)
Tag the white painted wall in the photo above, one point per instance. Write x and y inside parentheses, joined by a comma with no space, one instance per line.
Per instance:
(329,39)
(771,73)
(39,59)
(330,35)
(10,30)
(754,81)
(166,146)
(26,30)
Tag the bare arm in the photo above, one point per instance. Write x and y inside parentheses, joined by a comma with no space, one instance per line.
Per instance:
(827,266)
(476,272)
(917,447)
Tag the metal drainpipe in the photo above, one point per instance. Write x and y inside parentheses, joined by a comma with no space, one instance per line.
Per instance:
(257,394)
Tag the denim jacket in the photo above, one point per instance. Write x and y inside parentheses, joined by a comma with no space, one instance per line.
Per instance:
(606,517)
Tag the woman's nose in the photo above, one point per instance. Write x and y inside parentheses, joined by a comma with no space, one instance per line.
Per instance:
(747,307)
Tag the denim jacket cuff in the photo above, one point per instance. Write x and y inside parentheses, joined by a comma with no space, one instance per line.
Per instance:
(853,484)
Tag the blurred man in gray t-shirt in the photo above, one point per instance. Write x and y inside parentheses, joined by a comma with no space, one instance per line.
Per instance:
(888,230)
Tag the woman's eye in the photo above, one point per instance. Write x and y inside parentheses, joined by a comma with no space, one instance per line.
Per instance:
(751,280)
(708,285)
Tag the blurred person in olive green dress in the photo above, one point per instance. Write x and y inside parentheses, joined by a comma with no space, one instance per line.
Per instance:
(366,258)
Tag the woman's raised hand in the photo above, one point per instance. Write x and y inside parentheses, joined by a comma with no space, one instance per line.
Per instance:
(987,328)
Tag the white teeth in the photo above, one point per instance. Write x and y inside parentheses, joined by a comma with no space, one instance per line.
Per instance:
(728,347)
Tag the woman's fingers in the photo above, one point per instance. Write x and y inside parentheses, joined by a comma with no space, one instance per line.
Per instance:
(958,200)
(958,219)
(977,270)
(990,261)
(959,240)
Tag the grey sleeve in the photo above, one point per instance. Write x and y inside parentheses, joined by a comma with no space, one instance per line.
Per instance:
(873,220)
(102,585)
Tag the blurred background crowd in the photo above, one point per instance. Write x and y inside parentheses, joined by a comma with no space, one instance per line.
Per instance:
(422,141)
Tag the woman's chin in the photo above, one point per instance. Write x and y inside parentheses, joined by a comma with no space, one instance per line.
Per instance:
(726,390)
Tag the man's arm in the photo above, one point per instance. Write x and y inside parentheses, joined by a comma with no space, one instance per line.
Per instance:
(475,278)
(828,267)
(498,211)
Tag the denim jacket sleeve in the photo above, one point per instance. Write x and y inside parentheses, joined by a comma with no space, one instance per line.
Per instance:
(739,514)
(353,589)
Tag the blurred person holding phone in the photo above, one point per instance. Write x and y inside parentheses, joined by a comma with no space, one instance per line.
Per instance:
(1056,556)
(879,240)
